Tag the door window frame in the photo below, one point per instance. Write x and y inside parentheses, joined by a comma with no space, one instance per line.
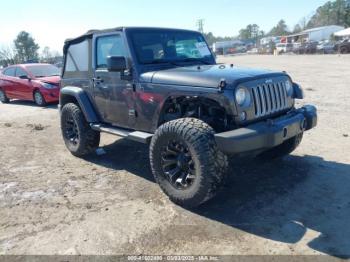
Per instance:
(17,69)
(94,49)
(7,69)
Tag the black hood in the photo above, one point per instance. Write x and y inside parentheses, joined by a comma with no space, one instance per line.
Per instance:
(206,75)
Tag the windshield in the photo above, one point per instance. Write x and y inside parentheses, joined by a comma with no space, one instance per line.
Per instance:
(162,46)
(43,70)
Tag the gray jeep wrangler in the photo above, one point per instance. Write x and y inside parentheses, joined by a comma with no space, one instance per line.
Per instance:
(163,87)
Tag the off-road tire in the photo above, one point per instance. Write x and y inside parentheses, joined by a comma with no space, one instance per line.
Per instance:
(3,97)
(39,99)
(284,149)
(88,139)
(210,163)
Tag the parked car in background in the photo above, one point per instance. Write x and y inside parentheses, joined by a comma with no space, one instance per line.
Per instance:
(343,46)
(325,47)
(59,65)
(253,51)
(35,82)
(296,47)
(307,48)
(284,48)
(267,49)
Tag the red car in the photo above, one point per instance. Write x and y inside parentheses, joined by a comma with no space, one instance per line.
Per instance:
(35,82)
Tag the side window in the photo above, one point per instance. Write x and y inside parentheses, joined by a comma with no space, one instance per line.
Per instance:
(20,72)
(77,57)
(108,46)
(10,71)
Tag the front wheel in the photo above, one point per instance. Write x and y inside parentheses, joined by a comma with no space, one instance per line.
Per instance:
(186,162)
(3,97)
(39,99)
(78,136)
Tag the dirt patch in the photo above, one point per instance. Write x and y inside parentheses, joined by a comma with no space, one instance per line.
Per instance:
(7,125)
(36,127)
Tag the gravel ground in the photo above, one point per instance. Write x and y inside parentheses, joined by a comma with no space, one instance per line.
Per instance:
(54,203)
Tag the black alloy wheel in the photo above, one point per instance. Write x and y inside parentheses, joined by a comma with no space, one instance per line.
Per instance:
(178,165)
(71,131)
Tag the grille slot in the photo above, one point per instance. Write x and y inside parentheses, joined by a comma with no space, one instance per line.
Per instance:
(269,98)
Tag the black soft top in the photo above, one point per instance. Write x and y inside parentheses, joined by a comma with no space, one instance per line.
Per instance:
(90,33)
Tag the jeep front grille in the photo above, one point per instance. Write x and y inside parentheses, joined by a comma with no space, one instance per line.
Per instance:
(269,98)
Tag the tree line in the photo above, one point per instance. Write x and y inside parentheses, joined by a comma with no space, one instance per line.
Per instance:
(332,13)
(24,50)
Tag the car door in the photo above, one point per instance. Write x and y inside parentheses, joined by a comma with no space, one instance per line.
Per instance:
(24,86)
(113,92)
(8,82)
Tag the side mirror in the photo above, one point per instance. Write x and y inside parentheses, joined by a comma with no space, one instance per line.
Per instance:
(116,63)
(24,77)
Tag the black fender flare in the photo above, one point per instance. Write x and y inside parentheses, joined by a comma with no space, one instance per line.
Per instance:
(70,94)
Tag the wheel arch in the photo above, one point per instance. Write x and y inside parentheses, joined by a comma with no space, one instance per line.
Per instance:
(4,92)
(76,95)
(35,90)
(344,49)
(178,99)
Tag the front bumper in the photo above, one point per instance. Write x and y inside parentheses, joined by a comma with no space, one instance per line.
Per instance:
(267,134)
(51,95)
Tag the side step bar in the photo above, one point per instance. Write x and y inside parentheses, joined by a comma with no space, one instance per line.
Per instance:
(141,137)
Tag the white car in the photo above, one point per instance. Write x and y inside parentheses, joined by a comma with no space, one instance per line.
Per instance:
(253,51)
(284,48)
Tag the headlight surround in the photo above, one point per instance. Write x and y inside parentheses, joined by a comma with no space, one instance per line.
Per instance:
(298,92)
(48,86)
(289,88)
(242,96)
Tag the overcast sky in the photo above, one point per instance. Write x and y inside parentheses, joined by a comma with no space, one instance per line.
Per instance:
(51,22)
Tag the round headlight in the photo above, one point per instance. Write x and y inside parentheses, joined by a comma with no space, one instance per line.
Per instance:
(48,86)
(242,96)
(289,88)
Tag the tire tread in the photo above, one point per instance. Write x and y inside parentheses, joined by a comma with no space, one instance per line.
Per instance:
(89,138)
(213,163)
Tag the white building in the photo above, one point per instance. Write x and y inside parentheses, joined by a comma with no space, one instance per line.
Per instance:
(315,34)
(343,33)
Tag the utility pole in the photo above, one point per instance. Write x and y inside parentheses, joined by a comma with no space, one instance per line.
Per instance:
(200,25)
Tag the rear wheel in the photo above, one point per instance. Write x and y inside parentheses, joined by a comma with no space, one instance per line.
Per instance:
(186,162)
(284,149)
(344,50)
(78,136)
(39,99)
(3,97)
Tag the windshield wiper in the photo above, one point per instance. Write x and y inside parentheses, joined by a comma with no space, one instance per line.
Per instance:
(157,61)
(178,62)
(196,60)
